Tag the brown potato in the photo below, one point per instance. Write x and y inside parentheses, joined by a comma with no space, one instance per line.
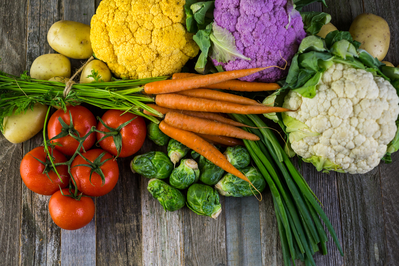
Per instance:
(59,79)
(326,29)
(71,39)
(21,127)
(388,63)
(373,33)
(50,65)
(104,74)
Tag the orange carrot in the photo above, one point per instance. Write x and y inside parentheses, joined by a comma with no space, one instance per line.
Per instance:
(219,96)
(203,126)
(202,147)
(206,115)
(223,140)
(174,85)
(234,85)
(181,102)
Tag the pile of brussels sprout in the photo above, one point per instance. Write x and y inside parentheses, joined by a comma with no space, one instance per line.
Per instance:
(191,180)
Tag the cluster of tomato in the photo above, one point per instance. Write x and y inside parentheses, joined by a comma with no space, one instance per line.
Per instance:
(88,172)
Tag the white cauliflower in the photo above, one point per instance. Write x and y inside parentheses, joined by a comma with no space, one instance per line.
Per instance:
(348,124)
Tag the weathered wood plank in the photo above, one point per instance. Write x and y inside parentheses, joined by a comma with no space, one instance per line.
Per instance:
(13,36)
(242,231)
(162,232)
(10,201)
(79,246)
(205,238)
(343,12)
(13,43)
(118,221)
(389,172)
(390,185)
(362,218)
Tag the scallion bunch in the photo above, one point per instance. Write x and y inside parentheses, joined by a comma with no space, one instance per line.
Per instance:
(297,209)
(19,93)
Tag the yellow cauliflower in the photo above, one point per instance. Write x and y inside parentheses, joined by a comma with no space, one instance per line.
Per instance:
(142,38)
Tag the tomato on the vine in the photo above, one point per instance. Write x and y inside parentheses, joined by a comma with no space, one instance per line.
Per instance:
(70,213)
(123,138)
(38,173)
(96,174)
(82,121)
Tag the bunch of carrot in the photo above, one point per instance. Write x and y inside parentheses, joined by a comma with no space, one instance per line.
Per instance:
(192,107)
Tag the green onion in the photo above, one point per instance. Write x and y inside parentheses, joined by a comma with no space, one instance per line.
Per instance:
(297,209)
(18,94)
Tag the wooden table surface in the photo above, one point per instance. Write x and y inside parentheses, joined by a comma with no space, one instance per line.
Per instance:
(131,228)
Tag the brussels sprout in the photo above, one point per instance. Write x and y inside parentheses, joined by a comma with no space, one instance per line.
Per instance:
(203,200)
(210,174)
(154,164)
(170,198)
(195,155)
(176,151)
(185,174)
(232,186)
(238,156)
(156,135)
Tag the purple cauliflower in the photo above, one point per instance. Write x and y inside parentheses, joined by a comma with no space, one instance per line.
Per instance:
(264,30)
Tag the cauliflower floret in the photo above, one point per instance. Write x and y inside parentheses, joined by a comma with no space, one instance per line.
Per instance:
(354,114)
(141,39)
(261,33)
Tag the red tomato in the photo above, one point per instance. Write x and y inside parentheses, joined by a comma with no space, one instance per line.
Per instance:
(81,174)
(33,171)
(69,213)
(132,135)
(83,121)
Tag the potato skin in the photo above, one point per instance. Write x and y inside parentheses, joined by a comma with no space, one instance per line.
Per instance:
(21,127)
(373,33)
(50,65)
(388,63)
(71,39)
(96,65)
(326,29)
(59,79)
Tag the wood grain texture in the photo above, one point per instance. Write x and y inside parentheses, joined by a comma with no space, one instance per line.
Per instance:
(162,232)
(12,54)
(343,12)
(13,36)
(118,220)
(390,195)
(205,238)
(10,201)
(242,231)
(78,246)
(270,239)
(389,172)
(362,218)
